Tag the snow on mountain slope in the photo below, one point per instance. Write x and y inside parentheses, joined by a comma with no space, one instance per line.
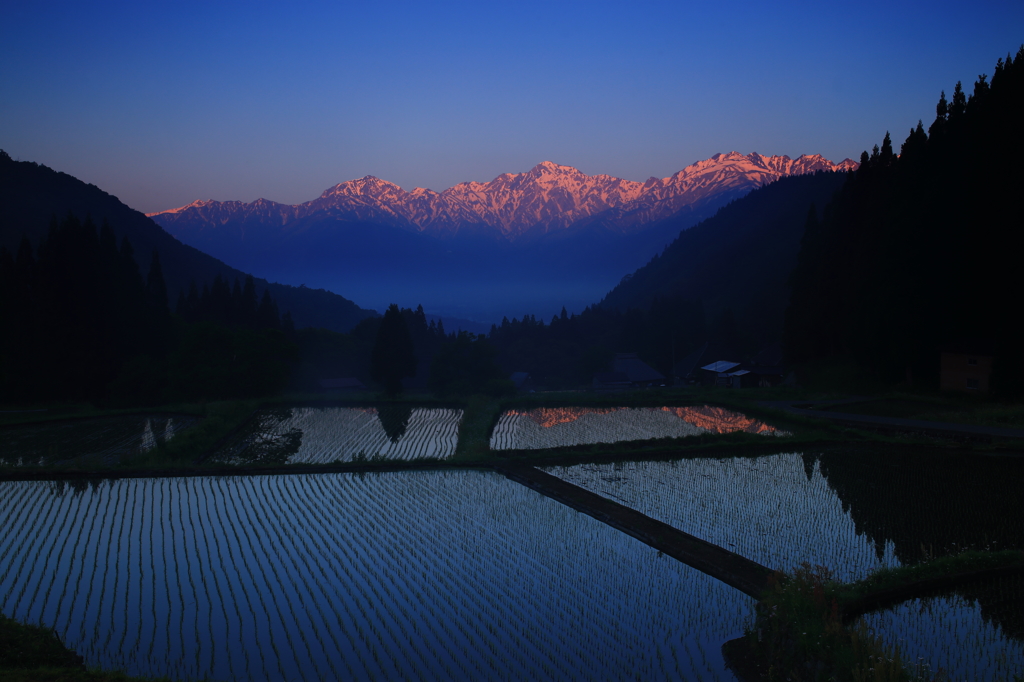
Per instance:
(548,197)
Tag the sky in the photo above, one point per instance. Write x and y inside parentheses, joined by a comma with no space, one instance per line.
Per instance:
(161,104)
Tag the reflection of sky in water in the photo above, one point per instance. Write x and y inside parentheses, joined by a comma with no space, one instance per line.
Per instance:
(563,426)
(415,575)
(104,440)
(341,433)
(767,509)
(949,633)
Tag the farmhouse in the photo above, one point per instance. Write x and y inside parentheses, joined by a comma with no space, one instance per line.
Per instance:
(628,371)
(966,366)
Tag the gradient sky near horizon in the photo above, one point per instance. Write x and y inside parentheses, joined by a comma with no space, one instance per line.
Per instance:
(164,103)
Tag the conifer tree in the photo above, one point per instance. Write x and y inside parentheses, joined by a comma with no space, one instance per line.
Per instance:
(156,289)
(393,357)
(249,303)
(267,315)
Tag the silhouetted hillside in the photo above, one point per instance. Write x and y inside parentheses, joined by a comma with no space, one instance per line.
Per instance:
(923,249)
(737,262)
(32,194)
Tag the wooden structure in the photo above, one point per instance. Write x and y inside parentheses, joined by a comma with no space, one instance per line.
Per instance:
(966,367)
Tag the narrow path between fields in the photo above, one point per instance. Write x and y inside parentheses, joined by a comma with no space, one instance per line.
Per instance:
(738,572)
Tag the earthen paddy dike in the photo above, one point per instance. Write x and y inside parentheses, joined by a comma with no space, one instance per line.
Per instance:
(736,571)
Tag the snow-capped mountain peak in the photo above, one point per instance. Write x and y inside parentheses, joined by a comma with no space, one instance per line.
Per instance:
(547,197)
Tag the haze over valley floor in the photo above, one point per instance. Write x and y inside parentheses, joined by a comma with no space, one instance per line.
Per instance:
(522,243)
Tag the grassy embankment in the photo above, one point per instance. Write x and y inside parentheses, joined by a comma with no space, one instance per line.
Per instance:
(805,626)
(32,653)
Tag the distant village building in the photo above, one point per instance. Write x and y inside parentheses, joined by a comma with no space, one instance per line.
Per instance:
(966,367)
(628,371)
(611,381)
(767,367)
(717,364)
(688,370)
(719,373)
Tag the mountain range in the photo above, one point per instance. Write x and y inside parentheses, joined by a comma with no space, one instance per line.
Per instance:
(532,241)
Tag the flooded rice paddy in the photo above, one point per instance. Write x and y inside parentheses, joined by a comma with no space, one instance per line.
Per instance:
(322,435)
(852,512)
(465,574)
(955,634)
(770,509)
(551,427)
(410,575)
(103,441)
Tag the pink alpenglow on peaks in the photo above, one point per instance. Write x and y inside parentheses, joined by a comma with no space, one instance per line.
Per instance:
(548,197)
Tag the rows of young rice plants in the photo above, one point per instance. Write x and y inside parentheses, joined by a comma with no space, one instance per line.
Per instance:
(104,440)
(951,634)
(330,434)
(780,511)
(404,575)
(550,427)
(771,509)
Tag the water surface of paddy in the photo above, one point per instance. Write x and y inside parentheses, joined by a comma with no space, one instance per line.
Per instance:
(955,634)
(405,575)
(550,427)
(321,435)
(773,509)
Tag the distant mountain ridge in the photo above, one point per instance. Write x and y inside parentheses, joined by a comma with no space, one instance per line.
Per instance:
(31,194)
(548,198)
(522,243)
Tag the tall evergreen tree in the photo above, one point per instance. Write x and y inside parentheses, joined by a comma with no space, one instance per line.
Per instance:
(267,316)
(393,357)
(915,254)
(156,289)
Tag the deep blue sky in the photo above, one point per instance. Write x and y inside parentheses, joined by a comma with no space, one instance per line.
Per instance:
(164,103)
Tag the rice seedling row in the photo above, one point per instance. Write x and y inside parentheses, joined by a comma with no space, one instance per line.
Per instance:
(104,440)
(781,510)
(767,509)
(566,426)
(411,575)
(951,634)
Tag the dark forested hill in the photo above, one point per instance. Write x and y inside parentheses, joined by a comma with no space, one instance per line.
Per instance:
(923,249)
(738,261)
(32,194)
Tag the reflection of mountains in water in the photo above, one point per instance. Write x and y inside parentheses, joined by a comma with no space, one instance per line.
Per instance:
(712,419)
(322,435)
(935,505)
(561,426)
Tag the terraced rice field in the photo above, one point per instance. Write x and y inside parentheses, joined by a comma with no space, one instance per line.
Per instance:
(320,435)
(782,510)
(410,575)
(951,634)
(769,509)
(551,427)
(104,441)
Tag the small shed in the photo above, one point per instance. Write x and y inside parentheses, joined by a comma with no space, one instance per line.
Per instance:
(639,373)
(966,366)
(689,369)
(611,381)
(744,378)
(718,373)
